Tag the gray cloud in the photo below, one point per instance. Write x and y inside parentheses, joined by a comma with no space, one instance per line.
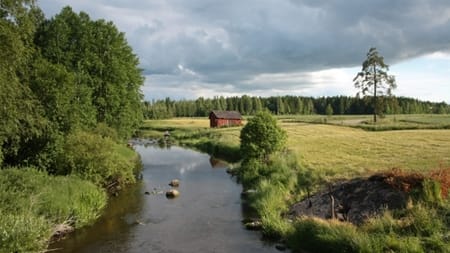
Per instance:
(231,43)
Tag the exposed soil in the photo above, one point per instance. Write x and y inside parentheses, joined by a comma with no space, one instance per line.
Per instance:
(359,199)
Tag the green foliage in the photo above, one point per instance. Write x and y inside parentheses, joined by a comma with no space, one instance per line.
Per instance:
(329,110)
(107,84)
(70,204)
(95,158)
(270,203)
(374,80)
(32,203)
(261,137)
(274,183)
(250,172)
(422,221)
(431,192)
(53,80)
(67,103)
(220,150)
(419,228)
(23,232)
(322,236)
(54,83)
(291,105)
(20,113)
(106,132)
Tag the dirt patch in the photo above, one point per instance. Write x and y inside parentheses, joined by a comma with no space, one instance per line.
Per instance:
(60,231)
(359,199)
(354,201)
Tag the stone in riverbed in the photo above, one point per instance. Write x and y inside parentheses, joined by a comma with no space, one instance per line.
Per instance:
(253,225)
(174,183)
(172,193)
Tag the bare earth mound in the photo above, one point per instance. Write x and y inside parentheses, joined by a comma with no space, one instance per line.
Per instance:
(355,200)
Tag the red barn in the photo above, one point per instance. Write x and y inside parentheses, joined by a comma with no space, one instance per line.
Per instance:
(224,118)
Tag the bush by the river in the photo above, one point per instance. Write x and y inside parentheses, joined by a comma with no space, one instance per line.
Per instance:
(97,159)
(32,203)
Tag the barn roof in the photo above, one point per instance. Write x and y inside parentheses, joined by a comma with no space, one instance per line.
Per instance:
(227,114)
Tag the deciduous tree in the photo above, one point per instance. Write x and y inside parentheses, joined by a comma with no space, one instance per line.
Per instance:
(103,64)
(261,137)
(20,114)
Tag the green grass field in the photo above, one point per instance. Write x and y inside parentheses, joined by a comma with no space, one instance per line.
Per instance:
(341,150)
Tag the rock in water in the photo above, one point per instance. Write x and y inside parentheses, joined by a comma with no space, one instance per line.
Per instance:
(174,183)
(172,193)
(253,225)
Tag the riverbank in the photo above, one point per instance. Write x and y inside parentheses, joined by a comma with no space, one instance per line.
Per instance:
(320,155)
(195,133)
(34,206)
(37,207)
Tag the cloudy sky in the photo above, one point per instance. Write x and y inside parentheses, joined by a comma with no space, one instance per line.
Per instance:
(191,48)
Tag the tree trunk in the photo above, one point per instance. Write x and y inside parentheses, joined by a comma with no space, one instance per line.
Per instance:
(332,211)
(375,112)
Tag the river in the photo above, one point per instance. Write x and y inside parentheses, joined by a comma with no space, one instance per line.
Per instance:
(206,217)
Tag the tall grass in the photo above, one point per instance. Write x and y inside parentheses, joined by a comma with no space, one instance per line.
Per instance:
(23,232)
(270,202)
(274,183)
(32,203)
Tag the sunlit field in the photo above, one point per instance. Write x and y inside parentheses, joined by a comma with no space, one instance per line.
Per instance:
(341,150)
(345,151)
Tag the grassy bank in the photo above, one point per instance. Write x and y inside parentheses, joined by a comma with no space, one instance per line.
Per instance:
(319,153)
(35,205)
(195,132)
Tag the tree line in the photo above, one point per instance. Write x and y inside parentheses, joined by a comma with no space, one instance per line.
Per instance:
(60,75)
(289,105)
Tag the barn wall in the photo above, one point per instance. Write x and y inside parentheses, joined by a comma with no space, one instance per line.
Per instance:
(216,122)
(227,122)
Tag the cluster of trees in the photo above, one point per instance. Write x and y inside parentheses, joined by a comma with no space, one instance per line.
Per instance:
(59,76)
(285,105)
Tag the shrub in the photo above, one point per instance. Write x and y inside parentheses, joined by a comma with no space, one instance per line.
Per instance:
(105,131)
(94,158)
(250,172)
(261,137)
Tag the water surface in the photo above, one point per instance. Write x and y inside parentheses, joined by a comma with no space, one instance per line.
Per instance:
(206,217)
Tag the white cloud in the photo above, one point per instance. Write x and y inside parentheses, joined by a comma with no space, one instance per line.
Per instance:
(190,48)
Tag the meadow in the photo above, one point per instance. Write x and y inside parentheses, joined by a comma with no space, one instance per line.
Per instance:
(337,145)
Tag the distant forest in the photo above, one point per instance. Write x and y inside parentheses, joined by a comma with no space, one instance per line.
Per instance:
(289,105)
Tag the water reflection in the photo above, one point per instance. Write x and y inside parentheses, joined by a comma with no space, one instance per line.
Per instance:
(116,222)
(206,217)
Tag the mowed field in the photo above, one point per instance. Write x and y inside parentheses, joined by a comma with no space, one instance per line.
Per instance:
(341,151)
(344,151)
